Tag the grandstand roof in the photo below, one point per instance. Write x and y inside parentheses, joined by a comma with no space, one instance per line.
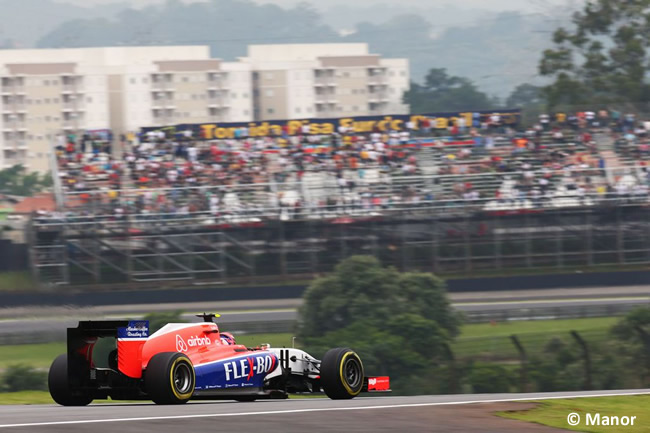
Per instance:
(38,202)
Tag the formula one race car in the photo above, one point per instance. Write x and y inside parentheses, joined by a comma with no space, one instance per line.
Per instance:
(184,361)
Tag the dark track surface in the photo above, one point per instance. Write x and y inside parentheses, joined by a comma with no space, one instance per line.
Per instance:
(460,413)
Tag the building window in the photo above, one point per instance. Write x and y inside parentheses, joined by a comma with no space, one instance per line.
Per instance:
(269,93)
(47,100)
(185,79)
(246,112)
(269,75)
(145,80)
(298,110)
(244,95)
(270,110)
(402,73)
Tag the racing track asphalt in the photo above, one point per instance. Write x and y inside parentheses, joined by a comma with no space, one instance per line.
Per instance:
(457,413)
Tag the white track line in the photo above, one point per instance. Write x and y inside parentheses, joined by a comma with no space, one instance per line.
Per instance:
(331,409)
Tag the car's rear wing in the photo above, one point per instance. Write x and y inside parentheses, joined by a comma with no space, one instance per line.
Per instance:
(130,335)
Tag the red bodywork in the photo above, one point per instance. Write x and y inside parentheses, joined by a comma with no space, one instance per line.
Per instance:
(199,341)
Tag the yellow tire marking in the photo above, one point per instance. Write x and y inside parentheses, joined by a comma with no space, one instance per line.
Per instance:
(342,376)
(171,379)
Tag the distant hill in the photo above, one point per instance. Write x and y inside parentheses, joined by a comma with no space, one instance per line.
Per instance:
(24,22)
(497,51)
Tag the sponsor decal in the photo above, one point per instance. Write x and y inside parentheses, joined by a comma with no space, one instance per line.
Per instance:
(357,124)
(381,383)
(181,345)
(134,329)
(245,371)
(193,341)
(247,367)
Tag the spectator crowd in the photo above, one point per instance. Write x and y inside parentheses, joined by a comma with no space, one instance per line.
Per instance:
(488,163)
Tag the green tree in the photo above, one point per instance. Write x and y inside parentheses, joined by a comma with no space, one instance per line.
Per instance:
(526,95)
(443,92)
(602,58)
(23,378)
(158,320)
(16,181)
(531,99)
(400,323)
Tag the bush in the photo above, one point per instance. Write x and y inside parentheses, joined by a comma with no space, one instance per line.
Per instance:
(489,378)
(158,320)
(23,378)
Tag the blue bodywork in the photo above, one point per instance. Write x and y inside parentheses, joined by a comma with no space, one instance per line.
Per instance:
(246,371)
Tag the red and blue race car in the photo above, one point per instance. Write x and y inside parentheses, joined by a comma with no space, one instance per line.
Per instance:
(191,361)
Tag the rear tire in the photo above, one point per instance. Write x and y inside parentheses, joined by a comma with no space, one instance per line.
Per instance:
(341,374)
(170,378)
(58,383)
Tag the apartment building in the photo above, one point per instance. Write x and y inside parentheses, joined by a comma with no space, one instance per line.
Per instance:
(325,80)
(183,89)
(47,93)
(42,99)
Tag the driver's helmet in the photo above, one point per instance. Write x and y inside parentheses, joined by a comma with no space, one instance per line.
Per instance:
(227,338)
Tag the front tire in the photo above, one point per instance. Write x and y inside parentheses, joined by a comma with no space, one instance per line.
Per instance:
(58,383)
(170,378)
(341,374)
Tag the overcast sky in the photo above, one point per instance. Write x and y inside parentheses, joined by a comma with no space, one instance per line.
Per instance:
(523,5)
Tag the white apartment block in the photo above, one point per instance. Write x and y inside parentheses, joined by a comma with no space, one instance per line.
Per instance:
(61,91)
(182,89)
(325,80)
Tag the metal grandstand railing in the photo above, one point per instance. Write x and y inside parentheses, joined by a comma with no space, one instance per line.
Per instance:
(383,195)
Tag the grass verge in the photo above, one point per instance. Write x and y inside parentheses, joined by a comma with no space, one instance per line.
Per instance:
(554,413)
(34,355)
(16,282)
(26,397)
(492,340)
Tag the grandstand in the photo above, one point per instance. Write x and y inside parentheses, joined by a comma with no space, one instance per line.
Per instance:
(210,211)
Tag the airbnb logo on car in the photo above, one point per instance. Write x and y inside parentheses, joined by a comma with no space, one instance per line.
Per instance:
(183,346)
